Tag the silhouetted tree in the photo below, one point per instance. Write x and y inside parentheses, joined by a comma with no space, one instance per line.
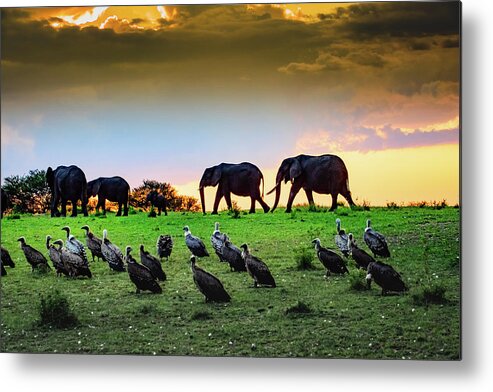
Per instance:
(29,193)
(175,202)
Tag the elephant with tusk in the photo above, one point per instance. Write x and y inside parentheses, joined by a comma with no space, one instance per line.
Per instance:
(325,174)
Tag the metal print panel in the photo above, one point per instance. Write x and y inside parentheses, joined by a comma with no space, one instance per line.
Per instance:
(260,180)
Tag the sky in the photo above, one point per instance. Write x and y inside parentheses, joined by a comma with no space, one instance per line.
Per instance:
(162,92)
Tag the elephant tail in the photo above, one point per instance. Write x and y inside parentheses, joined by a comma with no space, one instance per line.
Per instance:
(263,184)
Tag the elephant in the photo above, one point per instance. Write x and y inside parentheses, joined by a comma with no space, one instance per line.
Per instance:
(158,201)
(241,179)
(114,189)
(325,174)
(67,183)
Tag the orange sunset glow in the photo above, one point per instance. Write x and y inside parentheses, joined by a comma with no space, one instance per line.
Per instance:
(165,91)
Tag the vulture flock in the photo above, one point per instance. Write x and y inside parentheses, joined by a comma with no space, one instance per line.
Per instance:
(69,258)
(383,274)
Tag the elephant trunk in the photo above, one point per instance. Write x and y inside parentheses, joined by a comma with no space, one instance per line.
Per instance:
(202,198)
(278,194)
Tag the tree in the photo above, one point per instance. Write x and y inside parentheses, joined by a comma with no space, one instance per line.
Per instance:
(29,193)
(175,202)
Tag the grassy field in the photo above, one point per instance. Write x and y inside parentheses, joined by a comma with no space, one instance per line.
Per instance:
(338,322)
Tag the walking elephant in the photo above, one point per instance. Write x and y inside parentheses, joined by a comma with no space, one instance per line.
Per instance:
(114,189)
(67,183)
(325,174)
(158,201)
(241,179)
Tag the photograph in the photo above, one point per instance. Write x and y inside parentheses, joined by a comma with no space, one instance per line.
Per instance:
(276,180)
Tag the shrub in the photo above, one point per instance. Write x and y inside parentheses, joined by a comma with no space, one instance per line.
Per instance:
(438,205)
(235,211)
(298,308)
(54,310)
(14,216)
(304,259)
(357,280)
(392,205)
(132,211)
(430,294)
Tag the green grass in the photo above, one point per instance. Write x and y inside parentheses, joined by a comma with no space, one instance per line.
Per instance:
(340,323)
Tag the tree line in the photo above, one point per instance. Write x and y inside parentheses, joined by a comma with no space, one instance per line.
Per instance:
(30,193)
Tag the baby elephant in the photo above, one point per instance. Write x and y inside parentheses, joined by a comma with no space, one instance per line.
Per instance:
(158,201)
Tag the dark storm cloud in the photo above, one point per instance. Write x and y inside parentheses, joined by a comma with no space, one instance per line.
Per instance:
(397,19)
(37,42)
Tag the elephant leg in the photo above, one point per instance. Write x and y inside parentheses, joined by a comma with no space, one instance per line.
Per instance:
(159,211)
(252,205)
(334,201)
(74,207)
(54,209)
(63,207)
(125,208)
(262,202)
(119,213)
(103,205)
(292,194)
(219,196)
(227,197)
(309,196)
(84,207)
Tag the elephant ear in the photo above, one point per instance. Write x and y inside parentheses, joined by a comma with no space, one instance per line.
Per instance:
(216,176)
(295,170)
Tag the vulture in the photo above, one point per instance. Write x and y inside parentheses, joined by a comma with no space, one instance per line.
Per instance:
(6,259)
(164,246)
(257,269)
(217,241)
(361,258)
(152,263)
(140,275)
(195,244)
(210,286)
(375,241)
(74,245)
(74,263)
(34,257)
(330,260)
(55,254)
(112,254)
(232,255)
(385,276)
(93,243)
(341,239)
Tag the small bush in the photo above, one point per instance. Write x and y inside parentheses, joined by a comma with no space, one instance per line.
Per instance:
(292,214)
(438,205)
(14,216)
(304,259)
(201,315)
(430,294)
(132,211)
(54,311)
(314,208)
(357,280)
(364,206)
(392,205)
(235,211)
(298,308)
